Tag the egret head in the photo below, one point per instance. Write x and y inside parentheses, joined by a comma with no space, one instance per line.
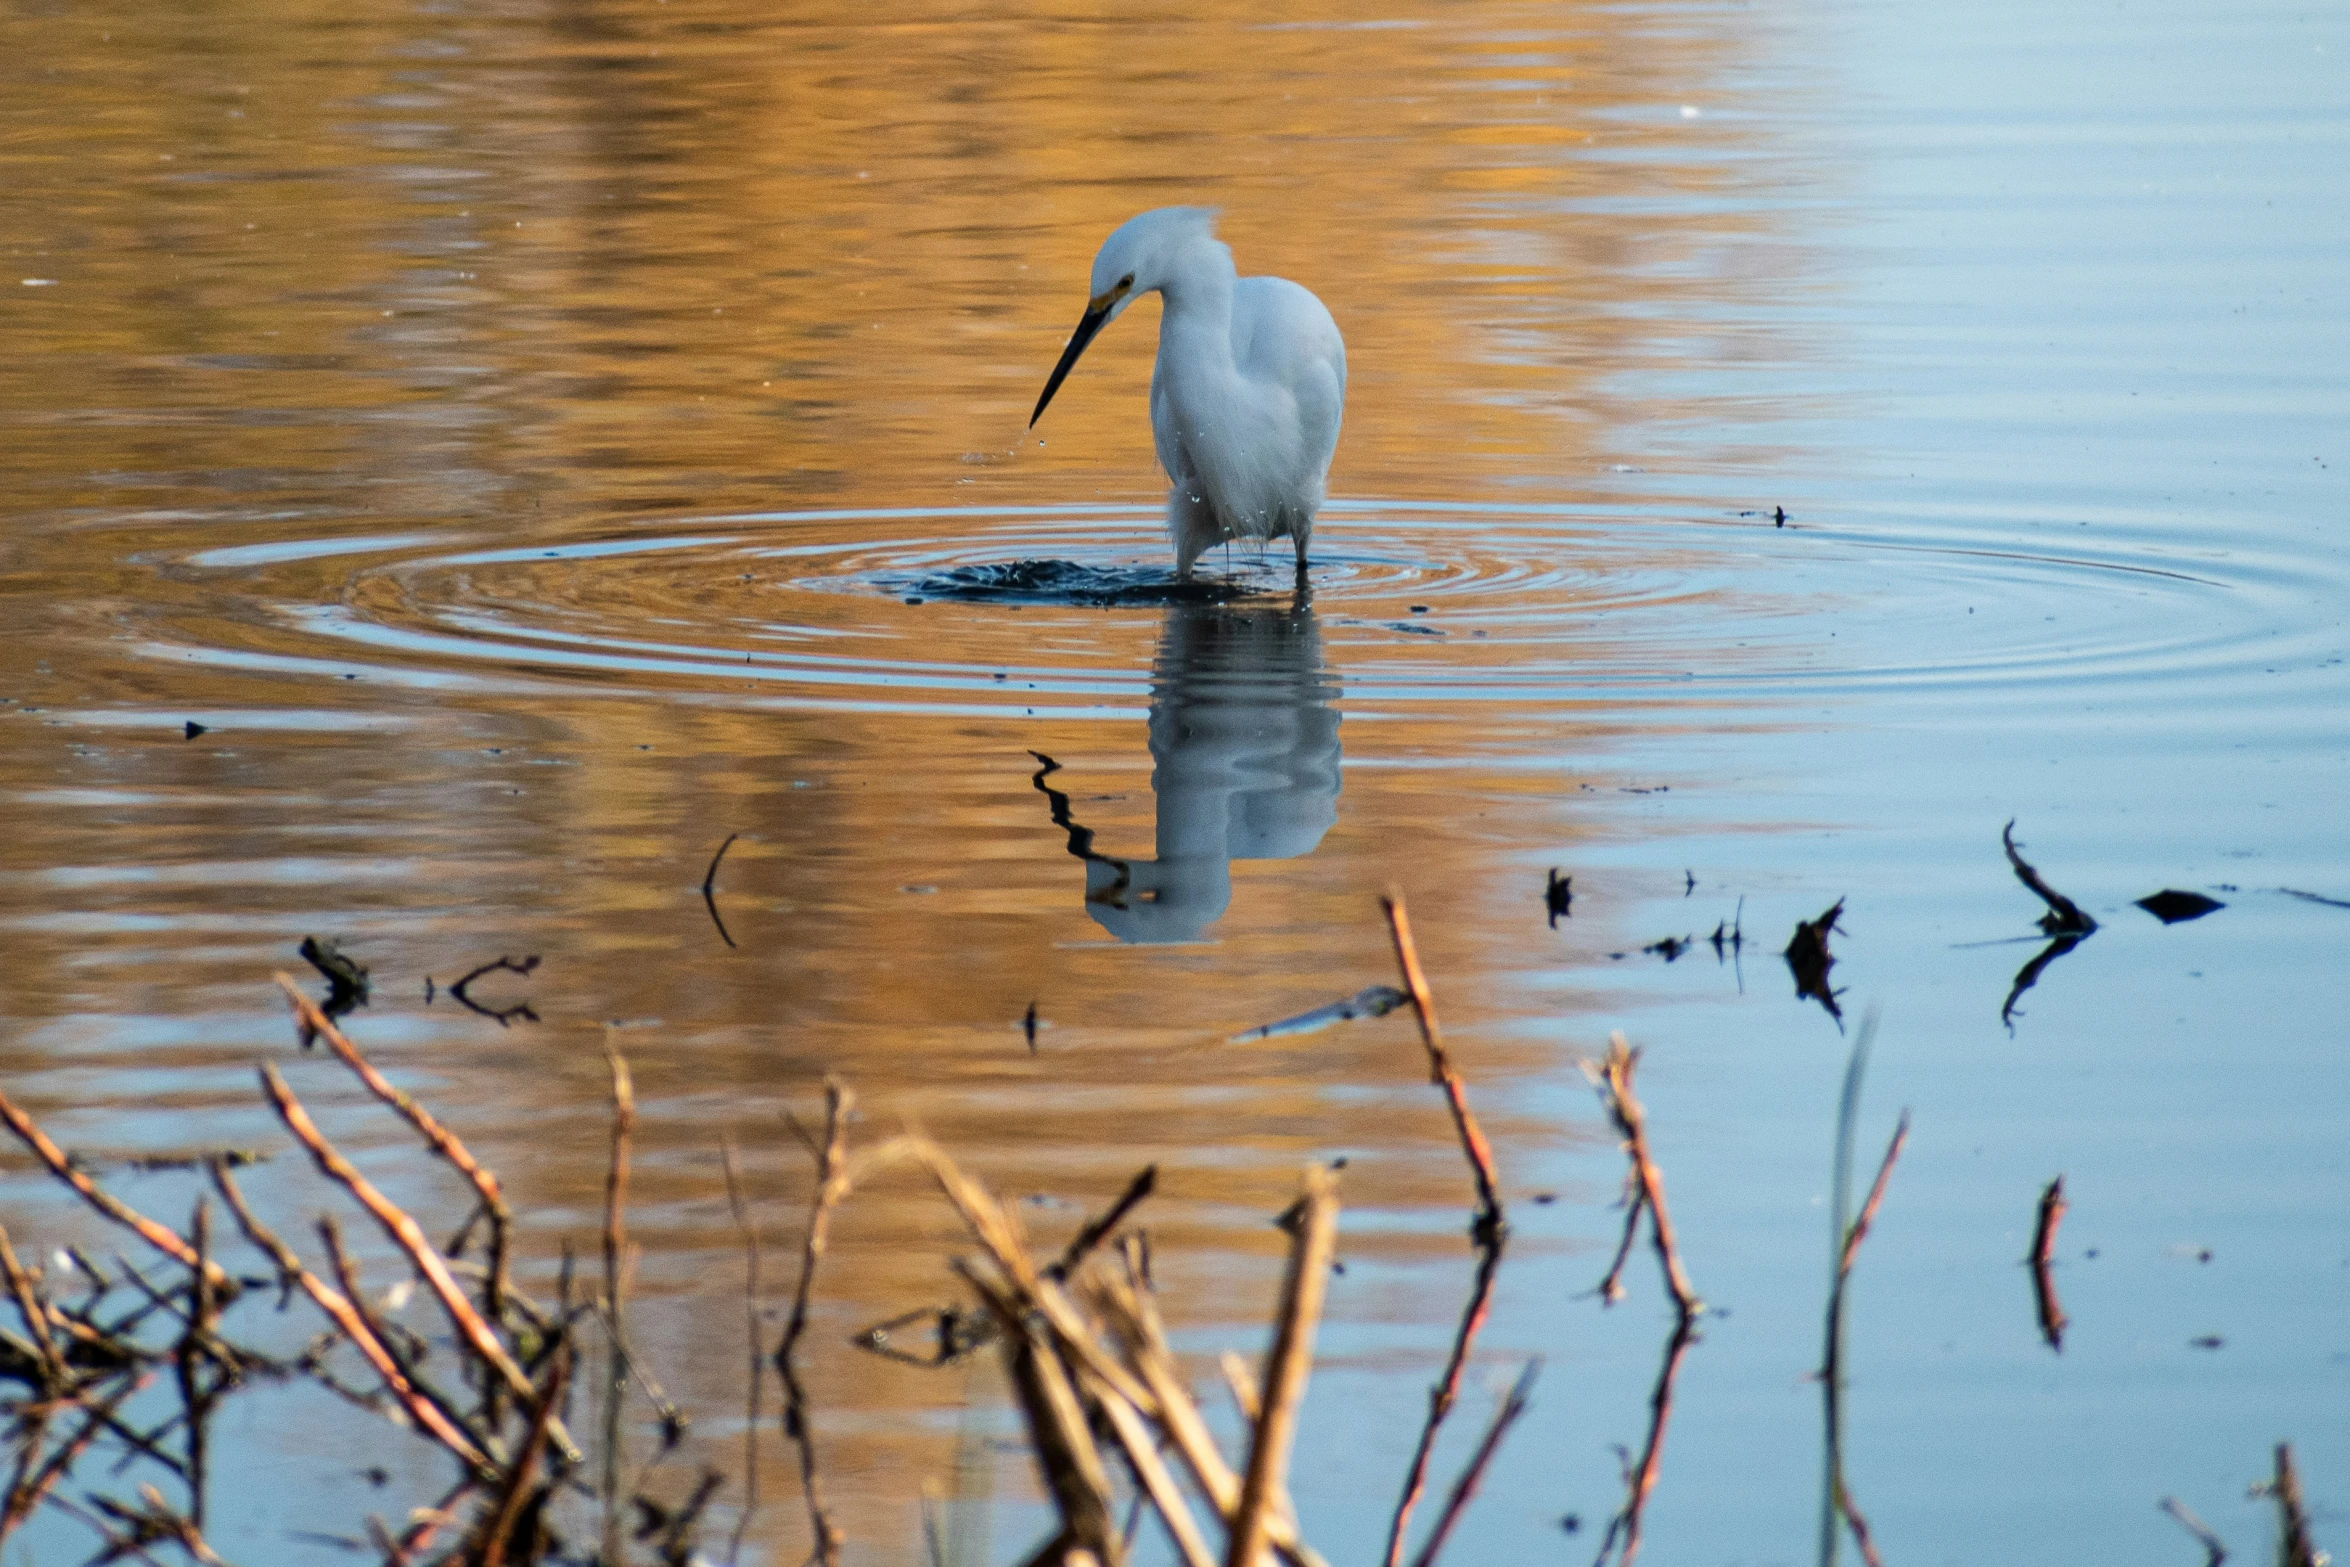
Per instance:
(1142,254)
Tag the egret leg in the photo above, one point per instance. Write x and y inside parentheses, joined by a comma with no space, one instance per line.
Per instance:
(1191,525)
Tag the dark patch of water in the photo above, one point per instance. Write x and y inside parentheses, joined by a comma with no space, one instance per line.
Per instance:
(1070,583)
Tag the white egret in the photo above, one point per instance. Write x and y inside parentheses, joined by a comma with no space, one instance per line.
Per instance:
(1248,389)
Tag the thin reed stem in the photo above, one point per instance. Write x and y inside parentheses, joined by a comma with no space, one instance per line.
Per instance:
(1489,1220)
(1264,1485)
(615,1389)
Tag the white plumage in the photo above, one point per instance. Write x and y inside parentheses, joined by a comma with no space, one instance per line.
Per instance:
(1248,390)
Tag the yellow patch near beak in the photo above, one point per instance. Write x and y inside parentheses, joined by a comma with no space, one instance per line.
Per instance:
(1102,302)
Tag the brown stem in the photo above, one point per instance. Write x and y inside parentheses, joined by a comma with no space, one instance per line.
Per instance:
(2044,1302)
(444,1142)
(615,1288)
(832,1185)
(2295,1548)
(1480,1153)
(426,1415)
(405,1234)
(1623,1533)
(1613,1078)
(55,1378)
(506,1510)
(1442,1396)
(747,1222)
(156,1235)
(1265,1481)
(1868,1210)
(1466,1487)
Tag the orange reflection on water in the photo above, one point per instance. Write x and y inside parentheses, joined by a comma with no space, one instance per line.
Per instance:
(521,277)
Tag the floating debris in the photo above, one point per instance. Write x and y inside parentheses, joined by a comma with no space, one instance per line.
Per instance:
(2044,1301)
(193,729)
(1558,896)
(709,879)
(346,978)
(1809,959)
(2173,907)
(1729,937)
(2064,917)
(1370,1001)
(2065,920)
(1028,1027)
(504,1016)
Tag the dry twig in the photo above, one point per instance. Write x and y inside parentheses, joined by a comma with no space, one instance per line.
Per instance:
(2045,1304)
(1284,1382)
(832,1185)
(1613,1078)
(161,1237)
(1489,1220)
(446,1143)
(425,1413)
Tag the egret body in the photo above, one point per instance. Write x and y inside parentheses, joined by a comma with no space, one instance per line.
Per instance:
(1248,389)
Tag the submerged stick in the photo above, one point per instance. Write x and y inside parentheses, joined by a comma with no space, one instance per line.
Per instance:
(1611,1288)
(1286,1367)
(1489,1220)
(1868,1210)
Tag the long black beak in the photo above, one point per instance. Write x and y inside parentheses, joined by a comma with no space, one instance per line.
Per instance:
(1086,328)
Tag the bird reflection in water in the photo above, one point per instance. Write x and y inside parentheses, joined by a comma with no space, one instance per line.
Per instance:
(1244,747)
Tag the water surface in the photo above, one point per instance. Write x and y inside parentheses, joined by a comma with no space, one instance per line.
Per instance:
(539,443)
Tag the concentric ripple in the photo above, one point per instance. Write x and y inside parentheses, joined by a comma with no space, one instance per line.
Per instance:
(973,611)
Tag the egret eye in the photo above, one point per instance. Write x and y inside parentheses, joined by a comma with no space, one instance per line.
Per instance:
(1127,281)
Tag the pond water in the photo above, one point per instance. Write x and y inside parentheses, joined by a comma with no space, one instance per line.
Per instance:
(539,443)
